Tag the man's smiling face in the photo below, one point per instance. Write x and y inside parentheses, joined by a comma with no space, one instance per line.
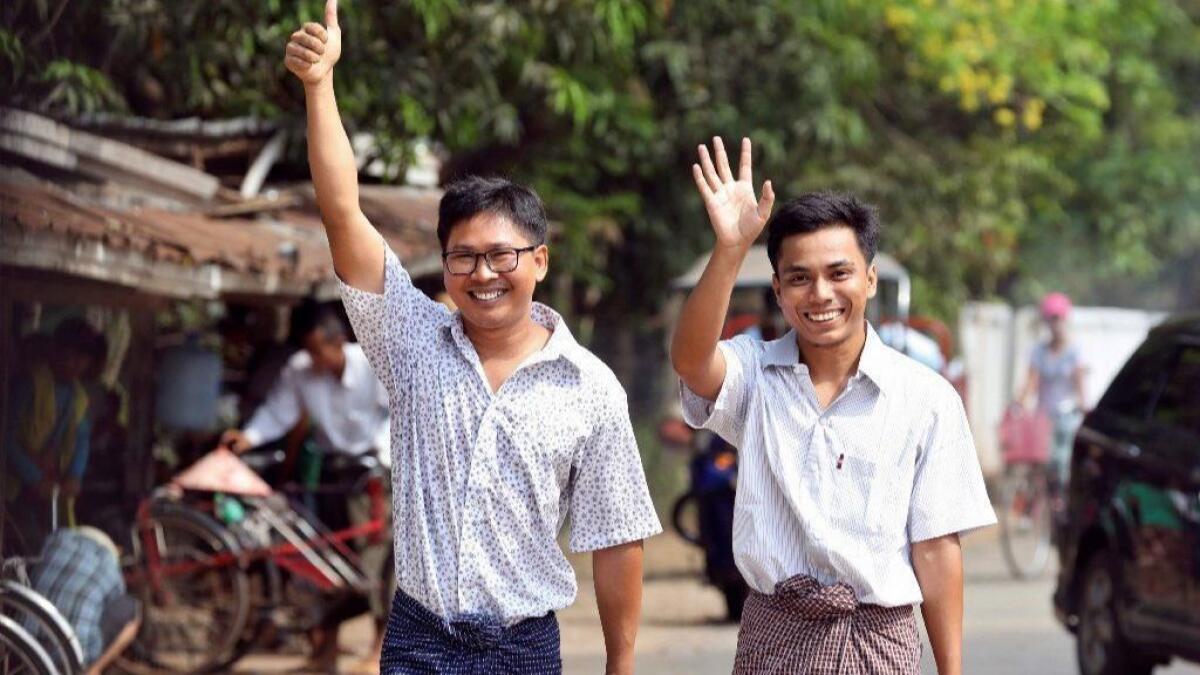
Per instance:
(492,300)
(822,284)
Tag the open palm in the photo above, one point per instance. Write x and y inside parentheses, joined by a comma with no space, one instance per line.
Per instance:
(737,216)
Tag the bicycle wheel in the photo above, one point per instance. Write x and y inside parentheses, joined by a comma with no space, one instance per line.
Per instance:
(44,623)
(20,654)
(195,598)
(1025,520)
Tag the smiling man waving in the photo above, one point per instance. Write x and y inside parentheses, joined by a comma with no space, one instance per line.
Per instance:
(502,424)
(856,468)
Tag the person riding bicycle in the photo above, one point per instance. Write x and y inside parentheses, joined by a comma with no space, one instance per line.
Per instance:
(331,382)
(1056,377)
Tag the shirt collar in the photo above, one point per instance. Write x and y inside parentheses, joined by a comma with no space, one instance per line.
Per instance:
(561,344)
(873,362)
(782,352)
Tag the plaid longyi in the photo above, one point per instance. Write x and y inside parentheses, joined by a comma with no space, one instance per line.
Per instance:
(804,628)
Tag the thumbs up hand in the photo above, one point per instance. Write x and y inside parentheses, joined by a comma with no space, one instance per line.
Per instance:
(314,49)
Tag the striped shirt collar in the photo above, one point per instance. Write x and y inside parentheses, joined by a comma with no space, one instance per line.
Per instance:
(873,362)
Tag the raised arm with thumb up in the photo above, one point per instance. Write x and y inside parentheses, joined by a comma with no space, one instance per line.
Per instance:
(313,49)
(356,248)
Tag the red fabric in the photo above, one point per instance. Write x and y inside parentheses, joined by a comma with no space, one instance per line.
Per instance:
(1025,436)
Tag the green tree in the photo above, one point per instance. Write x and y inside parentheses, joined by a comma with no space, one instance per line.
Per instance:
(1012,145)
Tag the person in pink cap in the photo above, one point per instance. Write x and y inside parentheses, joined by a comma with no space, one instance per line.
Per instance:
(1054,383)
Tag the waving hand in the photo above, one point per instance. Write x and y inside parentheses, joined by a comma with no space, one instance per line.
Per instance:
(737,216)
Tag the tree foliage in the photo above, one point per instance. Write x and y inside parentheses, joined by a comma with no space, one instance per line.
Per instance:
(1012,145)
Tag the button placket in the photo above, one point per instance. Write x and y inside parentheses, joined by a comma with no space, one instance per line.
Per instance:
(469,508)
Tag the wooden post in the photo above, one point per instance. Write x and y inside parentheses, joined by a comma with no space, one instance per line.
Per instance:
(6,357)
(139,460)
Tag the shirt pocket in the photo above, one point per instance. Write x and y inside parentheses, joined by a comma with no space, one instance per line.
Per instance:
(856,500)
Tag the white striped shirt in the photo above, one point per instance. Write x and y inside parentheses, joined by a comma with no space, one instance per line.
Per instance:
(841,494)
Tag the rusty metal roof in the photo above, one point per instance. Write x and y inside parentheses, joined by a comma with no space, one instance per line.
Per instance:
(98,207)
(282,251)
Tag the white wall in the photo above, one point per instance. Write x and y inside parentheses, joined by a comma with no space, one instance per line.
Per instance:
(985,336)
(996,341)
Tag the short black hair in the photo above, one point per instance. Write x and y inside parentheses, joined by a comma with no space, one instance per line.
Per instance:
(467,197)
(309,317)
(817,210)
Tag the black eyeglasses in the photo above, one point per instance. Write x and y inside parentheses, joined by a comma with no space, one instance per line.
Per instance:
(499,260)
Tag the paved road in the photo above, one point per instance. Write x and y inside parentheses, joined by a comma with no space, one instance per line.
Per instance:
(1010,627)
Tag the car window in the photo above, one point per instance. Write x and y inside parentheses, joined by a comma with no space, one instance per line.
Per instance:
(1179,403)
(1136,386)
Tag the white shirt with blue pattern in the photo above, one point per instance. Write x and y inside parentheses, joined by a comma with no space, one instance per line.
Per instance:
(483,481)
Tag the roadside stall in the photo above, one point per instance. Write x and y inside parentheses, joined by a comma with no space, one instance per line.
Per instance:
(186,282)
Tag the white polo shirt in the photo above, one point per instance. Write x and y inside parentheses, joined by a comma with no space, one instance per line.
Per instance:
(841,494)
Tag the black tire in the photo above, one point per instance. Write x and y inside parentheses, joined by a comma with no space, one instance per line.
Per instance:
(49,627)
(181,604)
(680,516)
(1025,521)
(1100,648)
(20,654)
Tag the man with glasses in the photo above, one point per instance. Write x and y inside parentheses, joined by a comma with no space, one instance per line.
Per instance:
(501,423)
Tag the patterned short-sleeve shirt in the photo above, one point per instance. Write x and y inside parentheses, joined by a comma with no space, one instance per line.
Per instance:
(483,481)
(840,493)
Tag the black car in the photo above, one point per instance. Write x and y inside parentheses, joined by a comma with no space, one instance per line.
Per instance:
(1129,535)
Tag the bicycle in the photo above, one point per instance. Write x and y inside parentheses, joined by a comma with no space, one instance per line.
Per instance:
(1035,457)
(1024,500)
(204,572)
(1025,520)
(20,654)
(44,625)
(37,617)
